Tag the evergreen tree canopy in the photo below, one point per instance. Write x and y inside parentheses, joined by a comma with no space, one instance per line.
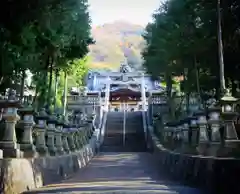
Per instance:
(183,37)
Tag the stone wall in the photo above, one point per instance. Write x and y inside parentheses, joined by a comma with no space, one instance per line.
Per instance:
(22,174)
(213,174)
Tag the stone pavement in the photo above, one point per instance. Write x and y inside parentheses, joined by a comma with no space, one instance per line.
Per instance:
(119,172)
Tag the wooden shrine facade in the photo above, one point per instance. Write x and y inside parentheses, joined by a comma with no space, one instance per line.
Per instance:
(124,95)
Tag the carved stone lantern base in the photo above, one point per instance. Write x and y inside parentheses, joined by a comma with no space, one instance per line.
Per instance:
(42,151)
(60,150)
(52,151)
(29,150)
(10,149)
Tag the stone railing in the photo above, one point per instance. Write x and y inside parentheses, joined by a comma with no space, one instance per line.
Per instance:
(40,148)
(76,99)
(201,150)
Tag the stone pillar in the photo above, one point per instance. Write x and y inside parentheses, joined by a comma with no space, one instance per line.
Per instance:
(41,133)
(51,130)
(27,140)
(65,138)
(58,135)
(9,141)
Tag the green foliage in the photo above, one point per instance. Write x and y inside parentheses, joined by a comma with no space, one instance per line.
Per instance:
(43,37)
(183,36)
(77,72)
(180,38)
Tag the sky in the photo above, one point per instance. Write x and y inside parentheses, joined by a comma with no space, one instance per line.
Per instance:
(133,11)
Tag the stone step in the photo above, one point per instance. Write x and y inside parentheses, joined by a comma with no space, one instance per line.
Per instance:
(134,137)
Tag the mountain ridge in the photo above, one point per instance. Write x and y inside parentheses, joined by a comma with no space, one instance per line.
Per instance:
(116,41)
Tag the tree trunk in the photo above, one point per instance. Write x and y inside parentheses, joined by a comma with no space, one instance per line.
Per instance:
(56,89)
(65,94)
(198,82)
(186,89)
(22,85)
(169,93)
(220,49)
(50,85)
(34,102)
(43,94)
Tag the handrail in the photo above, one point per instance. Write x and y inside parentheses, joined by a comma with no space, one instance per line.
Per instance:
(93,122)
(96,117)
(102,128)
(144,124)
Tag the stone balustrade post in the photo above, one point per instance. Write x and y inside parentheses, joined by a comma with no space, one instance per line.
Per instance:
(27,122)
(58,135)
(51,131)
(9,142)
(65,138)
(41,128)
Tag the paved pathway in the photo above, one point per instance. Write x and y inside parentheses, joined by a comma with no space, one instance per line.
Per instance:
(118,173)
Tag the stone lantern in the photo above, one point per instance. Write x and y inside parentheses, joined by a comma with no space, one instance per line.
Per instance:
(214,124)
(178,129)
(59,134)
(185,130)
(10,115)
(78,118)
(155,124)
(41,128)
(169,131)
(194,131)
(27,140)
(82,136)
(89,126)
(51,132)
(65,137)
(2,106)
(228,114)
(75,131)
(228,103)
(70,133)
(203,126)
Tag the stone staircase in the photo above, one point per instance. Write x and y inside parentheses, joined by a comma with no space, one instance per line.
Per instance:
(135,138)
(134,134)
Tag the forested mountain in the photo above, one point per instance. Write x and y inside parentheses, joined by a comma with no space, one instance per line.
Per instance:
(113,41)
